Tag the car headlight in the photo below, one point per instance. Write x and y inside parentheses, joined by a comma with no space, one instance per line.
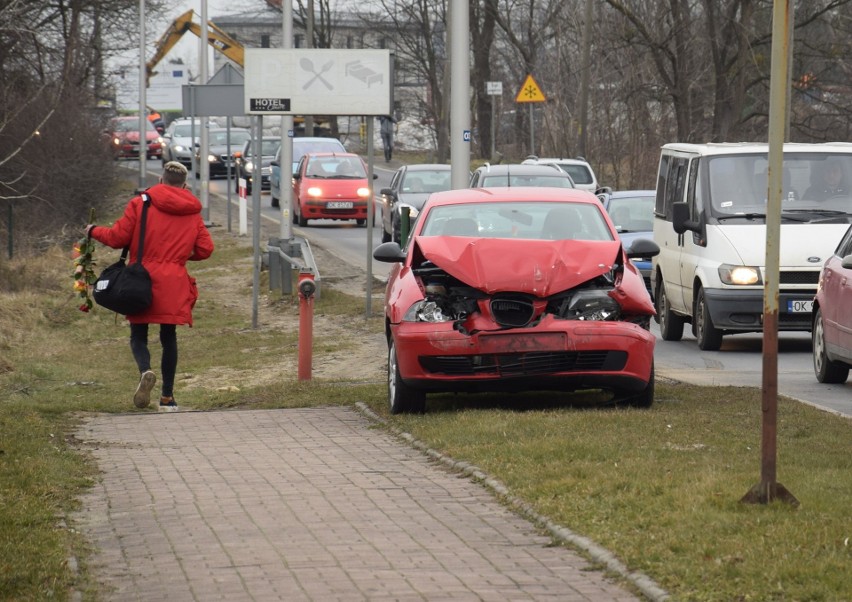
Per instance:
(742,275)
(212,158)
(179,148)
(248,166)
(593,304)
(412,211)
(315,191)
(426,311)
(116,141)
(363,193)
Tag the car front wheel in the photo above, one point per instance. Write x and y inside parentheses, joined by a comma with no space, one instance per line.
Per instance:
(826,371)
(709,337)
(671,324)
(643,399)
(401,397)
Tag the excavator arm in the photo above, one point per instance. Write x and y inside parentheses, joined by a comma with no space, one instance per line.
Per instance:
(216,37)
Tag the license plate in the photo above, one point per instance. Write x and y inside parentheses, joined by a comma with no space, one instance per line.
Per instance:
(799,306)
(339,205)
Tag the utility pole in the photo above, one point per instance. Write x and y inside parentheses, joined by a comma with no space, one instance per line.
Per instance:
(584,80)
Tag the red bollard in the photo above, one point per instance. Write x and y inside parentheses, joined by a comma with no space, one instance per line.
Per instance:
(307,288)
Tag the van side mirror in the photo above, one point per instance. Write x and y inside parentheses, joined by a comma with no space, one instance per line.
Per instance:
(680,219)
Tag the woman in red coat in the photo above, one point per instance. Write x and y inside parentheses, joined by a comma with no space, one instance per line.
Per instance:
(174,234)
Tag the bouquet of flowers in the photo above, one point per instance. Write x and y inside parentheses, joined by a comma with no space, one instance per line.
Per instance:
(84,268)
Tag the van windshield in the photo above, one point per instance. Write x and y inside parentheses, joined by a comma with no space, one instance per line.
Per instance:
(815,187)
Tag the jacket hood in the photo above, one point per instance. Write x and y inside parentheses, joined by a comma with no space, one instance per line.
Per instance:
(176,201)
(537,267)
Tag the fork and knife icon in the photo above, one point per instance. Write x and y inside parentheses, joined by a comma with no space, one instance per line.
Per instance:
(308,65)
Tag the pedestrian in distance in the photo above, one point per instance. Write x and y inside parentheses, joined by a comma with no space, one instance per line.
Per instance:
(174,234)
(386,127)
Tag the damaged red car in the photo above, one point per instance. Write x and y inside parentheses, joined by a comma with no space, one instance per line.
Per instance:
(516,289)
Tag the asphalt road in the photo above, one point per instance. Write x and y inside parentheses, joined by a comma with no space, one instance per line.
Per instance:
(739,362)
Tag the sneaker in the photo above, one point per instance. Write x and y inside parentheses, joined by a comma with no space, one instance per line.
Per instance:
(167,404)
(142,397)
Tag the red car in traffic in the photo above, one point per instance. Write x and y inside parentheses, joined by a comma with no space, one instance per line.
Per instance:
(331,186)
(123,135)
(513,289)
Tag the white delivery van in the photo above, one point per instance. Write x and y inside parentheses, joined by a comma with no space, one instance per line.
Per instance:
(710,224)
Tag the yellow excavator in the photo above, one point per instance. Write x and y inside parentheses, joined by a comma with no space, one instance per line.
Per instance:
(217,38)
(220,41)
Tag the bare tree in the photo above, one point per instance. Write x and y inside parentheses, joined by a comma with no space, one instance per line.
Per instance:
(53,164)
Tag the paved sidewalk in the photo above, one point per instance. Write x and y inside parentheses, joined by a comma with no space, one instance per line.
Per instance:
(309,504)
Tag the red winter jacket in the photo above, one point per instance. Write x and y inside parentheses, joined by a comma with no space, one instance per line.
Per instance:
(174,234)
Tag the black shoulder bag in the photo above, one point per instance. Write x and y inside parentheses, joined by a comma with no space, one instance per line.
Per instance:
(126,289)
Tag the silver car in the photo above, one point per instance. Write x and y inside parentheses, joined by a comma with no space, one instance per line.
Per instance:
(177,141)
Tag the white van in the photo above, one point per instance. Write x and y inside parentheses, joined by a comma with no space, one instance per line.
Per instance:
(710,224)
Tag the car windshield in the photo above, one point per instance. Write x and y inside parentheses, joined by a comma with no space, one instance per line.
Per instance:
(632,214)
(335,167)
(529,219)
(238,138)
(185,130)
(268,148)
(813,185)
(555,181)
(426,181)
(303,147)
(579,173)
(131,125)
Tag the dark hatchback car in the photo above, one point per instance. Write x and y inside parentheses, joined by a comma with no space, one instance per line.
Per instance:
(221,148)
(245,167)
(516,289)
(409,188)
(832,318)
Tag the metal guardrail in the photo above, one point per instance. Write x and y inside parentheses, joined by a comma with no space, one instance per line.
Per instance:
(286,256)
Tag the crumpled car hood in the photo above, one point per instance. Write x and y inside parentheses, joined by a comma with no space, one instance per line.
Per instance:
(537,267)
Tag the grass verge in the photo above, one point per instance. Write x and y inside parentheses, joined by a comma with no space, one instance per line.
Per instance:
(659,488)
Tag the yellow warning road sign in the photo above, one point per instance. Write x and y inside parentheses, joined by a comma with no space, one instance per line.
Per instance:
(530,92)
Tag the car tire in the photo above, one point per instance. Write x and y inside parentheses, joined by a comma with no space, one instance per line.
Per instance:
(301,221)
(401,397)
(361,223)
(826,370)
(671,324)
(385,236)
(643,399)
(275,202)
(708,336)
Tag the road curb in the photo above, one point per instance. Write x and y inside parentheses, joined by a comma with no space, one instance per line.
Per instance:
(594,552)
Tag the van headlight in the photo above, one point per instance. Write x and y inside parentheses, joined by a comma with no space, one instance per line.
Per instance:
(741,275)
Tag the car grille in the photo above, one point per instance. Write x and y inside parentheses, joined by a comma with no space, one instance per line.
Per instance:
(520,364)
(809,277)
(512,312)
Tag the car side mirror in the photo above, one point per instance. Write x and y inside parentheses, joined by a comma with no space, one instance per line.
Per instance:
(375,176)
(680,219)
(846,262)
(642,247)
(275,164)
(386,191)
(389,252)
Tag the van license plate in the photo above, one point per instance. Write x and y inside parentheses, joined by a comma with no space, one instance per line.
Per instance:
(799,306)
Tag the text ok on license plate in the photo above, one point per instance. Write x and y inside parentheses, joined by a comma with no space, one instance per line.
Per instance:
(799,306)
(339,205)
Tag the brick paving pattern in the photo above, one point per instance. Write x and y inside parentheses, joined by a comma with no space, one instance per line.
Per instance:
(309,504)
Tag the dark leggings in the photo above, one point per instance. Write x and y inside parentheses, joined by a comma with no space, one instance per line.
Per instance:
(168,364)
